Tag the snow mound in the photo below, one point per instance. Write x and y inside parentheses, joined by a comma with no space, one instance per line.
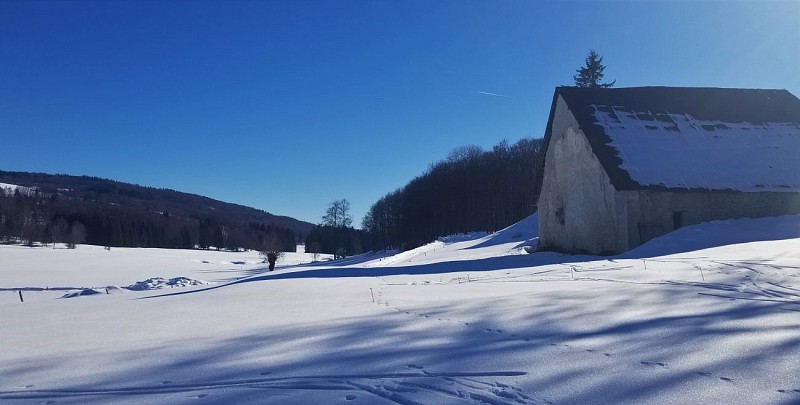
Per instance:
(712,234)
(523,233)
(81,293)
(461,237)
(156,283)
(93,291)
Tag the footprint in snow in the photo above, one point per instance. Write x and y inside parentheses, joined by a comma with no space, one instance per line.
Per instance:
(165,382)
(704,374)
(350,397)
(198,396)
(653,364)
(794,391)
(266,373)
(25,386)
(415,366)
(727,379)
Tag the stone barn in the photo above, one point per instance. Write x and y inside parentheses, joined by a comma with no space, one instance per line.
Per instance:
(625,165)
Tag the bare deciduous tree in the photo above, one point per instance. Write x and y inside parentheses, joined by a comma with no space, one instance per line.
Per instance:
(338,214)
(77,235)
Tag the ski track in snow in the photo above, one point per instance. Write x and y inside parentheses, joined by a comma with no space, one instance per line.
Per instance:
(401,387)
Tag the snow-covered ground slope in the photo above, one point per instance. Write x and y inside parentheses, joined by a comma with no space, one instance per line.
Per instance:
(708,314)
(10,189)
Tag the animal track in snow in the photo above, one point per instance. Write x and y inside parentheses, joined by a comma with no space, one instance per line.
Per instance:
(654,364)
(709,375)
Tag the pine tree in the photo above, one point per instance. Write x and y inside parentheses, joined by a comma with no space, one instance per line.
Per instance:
(591,74)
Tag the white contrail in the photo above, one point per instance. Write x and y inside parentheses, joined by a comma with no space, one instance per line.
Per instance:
(492,94)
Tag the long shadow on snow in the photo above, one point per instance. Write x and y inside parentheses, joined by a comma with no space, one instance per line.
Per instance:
(479,265)
(328,362)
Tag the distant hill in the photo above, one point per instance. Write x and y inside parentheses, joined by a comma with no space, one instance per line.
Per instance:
(122,214)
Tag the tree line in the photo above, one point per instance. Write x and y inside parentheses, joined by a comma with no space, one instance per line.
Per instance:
(34,217)
(471,190)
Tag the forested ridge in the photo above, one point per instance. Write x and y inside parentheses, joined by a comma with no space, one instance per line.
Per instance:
(76,209)
(471,190)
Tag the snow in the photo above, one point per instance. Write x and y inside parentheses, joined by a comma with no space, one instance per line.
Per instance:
(678,150)
(157,283)
(9,189)
(707,314)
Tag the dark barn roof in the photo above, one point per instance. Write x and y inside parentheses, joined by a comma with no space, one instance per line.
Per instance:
(671,138)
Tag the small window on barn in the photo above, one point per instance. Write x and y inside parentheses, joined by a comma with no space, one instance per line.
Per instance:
(560,215)
(677,219)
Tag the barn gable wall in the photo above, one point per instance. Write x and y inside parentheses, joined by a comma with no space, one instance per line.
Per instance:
(579,210)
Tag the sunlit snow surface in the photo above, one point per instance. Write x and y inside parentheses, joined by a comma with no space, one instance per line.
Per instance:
(10,189)
(678,150)
(707,314)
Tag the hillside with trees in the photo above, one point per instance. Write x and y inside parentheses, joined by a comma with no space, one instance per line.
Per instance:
(80,209)
(471,190)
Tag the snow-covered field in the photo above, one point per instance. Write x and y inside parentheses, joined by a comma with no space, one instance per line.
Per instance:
(707,314)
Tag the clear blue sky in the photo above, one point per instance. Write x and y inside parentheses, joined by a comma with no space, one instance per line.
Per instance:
(288,105)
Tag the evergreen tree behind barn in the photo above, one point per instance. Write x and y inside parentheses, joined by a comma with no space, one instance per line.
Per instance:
(625,165)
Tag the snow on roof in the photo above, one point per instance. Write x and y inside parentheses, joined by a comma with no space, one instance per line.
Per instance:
(692,138)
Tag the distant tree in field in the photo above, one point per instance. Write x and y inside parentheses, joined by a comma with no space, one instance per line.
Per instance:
(591,74)
(338,214)
(59,231)
(338,217)
(77,235)
(335,234)
(220,234)
(186,238)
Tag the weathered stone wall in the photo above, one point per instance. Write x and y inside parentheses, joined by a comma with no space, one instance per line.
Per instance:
(652,213)
(578,210)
